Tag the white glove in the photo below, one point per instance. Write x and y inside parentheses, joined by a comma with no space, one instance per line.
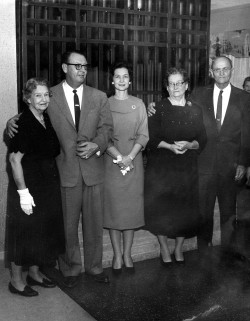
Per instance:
(26,201)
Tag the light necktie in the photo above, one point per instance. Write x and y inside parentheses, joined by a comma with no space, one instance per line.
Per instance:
(219,111)
(77,109)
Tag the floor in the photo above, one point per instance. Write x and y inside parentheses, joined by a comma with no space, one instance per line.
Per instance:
(50,305)
(208,288)
(212,287)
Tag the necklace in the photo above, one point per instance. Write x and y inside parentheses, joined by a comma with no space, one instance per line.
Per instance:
(39,116)
(41,120)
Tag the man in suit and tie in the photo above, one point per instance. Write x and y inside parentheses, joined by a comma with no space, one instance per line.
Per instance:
(223,161)
(82,120)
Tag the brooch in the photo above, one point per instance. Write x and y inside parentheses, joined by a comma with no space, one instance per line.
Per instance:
(189,103)
(133,107)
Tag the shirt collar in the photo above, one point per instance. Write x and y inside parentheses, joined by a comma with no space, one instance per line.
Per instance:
(69,88)
(225,90)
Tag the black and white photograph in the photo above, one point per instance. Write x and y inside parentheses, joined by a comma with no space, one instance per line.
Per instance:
(125,160)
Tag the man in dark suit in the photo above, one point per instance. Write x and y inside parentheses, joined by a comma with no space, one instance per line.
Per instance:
(84,134)
(224,159)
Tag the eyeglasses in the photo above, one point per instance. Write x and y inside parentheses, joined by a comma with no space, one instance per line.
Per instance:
(79,66)
(178,84)
(225,70)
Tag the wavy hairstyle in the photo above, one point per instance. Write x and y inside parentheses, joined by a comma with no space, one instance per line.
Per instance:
(175,71)
(31,85)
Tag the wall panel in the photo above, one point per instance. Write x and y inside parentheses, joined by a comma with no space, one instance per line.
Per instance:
(152,34)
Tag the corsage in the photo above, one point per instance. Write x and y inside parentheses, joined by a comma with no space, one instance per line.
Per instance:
(119,159)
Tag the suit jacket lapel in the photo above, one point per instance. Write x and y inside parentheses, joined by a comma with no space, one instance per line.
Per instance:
(63,105)
(233,100)
(210,104)
(85,106)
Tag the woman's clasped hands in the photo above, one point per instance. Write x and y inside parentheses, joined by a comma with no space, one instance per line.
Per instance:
(180,147)
(125,163)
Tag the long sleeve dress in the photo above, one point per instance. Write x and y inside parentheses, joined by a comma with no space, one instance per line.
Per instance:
(124,195)
(171,180)
(36,239)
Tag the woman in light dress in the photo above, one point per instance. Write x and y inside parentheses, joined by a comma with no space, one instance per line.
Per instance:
(124,172)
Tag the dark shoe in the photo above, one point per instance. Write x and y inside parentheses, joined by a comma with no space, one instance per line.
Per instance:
(118,266)
(165,264)
(179,262)
(70,281)
(116,271)
(45,283)
(100,277)
(27,291)
(129,269)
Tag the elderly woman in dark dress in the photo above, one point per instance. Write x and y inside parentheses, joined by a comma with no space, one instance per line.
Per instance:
(177,135)
(35,229)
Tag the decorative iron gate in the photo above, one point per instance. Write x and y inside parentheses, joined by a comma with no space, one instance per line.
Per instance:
(152,34)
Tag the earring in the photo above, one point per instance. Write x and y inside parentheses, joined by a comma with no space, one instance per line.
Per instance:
(130,82)
(112,83)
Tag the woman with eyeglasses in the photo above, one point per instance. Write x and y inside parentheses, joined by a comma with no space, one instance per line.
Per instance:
(177,135)
(35,233)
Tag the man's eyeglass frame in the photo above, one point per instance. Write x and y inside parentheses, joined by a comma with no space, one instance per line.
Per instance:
(79,66)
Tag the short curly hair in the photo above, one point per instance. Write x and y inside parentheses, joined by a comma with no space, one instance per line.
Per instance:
(175,71)
(31,85)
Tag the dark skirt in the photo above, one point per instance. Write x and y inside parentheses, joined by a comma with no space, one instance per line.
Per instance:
(36,239)
(171,196)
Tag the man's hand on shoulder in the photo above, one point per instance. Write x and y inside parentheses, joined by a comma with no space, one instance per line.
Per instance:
(248,176)
(240,172)
(151,109)
(11,126)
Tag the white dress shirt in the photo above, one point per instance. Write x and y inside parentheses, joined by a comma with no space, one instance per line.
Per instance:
(225,99)
(70,97)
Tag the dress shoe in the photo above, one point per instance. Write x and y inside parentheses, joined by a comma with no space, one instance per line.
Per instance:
(27,291)
(45,282)
(100,277)
(165,264)
(70,281)
(116,271)
(179,262)
(129,269)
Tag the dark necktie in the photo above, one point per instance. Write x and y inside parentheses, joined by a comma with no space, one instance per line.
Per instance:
(219,111)
(77,109)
